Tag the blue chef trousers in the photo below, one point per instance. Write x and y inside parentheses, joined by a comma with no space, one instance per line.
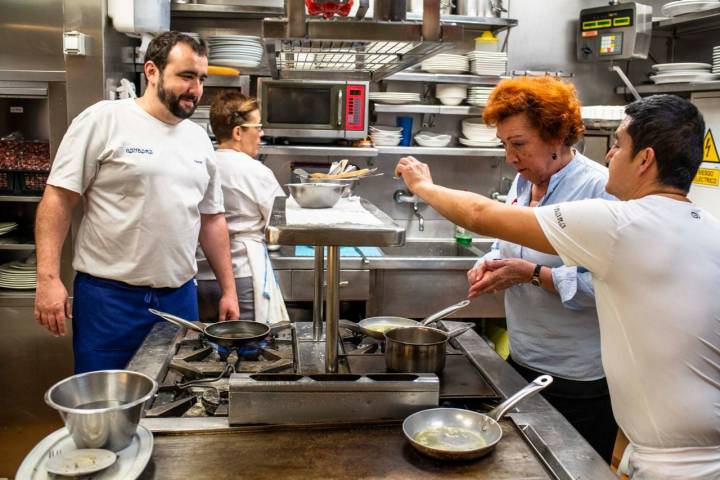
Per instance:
(111,318)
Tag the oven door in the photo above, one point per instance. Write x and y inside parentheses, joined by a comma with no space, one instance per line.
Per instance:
(303,109)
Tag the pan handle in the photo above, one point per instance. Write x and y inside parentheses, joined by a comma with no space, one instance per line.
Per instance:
(458,331)
(352,326)
(531,389)
(277,326)
(180,322)
(445,312)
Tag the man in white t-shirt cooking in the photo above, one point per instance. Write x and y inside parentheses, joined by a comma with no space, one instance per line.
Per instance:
(655,262)
(150,189)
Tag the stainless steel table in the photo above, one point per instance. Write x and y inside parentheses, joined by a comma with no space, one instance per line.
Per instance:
(388,233)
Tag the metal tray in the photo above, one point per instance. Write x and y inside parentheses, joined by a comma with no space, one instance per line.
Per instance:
(130,463)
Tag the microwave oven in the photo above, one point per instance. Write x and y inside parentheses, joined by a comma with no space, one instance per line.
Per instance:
(314,108)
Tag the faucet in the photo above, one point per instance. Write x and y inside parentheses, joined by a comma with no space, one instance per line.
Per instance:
(401,196)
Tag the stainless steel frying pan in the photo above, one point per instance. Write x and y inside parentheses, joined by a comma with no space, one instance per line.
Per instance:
(383,324)
(457,434)
(231,334)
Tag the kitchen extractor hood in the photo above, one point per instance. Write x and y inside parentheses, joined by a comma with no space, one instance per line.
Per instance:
(298,45)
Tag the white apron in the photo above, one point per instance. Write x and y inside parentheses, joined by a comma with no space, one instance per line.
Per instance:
(689,463)
(269,303)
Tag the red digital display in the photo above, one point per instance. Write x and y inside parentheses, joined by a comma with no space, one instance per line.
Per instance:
(355,107)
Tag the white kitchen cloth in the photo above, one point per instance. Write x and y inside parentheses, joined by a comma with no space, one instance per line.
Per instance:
(347,210)
(269,304)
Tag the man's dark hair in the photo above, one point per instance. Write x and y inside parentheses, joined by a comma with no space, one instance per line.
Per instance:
(674,129)
(160,47)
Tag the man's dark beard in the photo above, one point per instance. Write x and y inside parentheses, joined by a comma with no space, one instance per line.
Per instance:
(172,101)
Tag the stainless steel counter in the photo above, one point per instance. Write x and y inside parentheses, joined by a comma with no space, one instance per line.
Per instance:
(556,443)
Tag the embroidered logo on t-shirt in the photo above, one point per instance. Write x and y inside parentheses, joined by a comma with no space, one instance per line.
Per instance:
(559,218)
(695,215)
(138,151)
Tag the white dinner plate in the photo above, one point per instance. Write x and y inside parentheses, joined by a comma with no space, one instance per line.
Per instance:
(682,7)
(130,463)
(672,67)
(234,62)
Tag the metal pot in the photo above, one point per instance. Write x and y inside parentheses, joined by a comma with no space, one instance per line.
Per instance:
(418,349)
(229,334)
(383,324)
(457,434)
(102,409)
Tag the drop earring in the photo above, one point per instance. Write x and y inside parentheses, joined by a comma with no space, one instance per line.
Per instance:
(554,156)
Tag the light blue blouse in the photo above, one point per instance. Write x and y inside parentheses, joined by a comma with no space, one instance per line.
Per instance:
(555,333)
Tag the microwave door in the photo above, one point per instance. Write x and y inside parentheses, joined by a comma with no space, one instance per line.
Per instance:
(303,110)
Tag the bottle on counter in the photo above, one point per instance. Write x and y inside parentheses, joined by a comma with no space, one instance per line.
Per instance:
(462,236)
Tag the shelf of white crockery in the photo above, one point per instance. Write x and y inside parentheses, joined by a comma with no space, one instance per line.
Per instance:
(318,151)
(468,79)
(674,88)
(443,151)
(436,109)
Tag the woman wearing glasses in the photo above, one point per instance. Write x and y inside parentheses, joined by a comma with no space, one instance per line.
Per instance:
(249,189)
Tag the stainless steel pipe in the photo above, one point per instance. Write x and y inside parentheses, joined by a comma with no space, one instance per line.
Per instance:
(332,309)
(319,278)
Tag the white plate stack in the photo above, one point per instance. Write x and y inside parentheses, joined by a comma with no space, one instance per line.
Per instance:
(240,51)
(430,139)
(478,96)
(488,63)
(6,227)
(681,7)
(395,98)
(386,135)
(477,134)
(682,72)
(19,274)
(450,93)
(445,63)
(716,60)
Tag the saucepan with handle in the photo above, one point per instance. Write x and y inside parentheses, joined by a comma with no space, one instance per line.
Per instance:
(457,434)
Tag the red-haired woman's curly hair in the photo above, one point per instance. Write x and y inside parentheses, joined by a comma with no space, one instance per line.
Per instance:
(550,104)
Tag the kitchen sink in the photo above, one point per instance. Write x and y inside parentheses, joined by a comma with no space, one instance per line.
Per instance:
(431,249)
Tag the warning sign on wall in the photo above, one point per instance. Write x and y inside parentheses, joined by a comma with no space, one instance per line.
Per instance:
(710,153)
(707,176)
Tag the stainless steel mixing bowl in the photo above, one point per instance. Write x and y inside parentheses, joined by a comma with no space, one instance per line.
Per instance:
(102,409)
(316,195)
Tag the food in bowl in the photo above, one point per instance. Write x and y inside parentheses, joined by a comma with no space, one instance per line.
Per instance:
(316,195)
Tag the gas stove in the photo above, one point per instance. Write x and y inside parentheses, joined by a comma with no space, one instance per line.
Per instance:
(202,380)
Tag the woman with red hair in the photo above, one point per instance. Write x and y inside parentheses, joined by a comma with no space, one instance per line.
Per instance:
(550,308)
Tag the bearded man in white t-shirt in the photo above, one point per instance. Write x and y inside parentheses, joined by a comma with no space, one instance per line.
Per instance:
(150,189)
(655,262)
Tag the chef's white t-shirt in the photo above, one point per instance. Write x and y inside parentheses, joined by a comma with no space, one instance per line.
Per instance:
(249,190)
(656,271)
(144,185)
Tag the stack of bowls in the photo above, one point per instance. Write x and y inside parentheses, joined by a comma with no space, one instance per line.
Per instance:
(716,60)
(477,134)
(430,139)
(450,93)
(386,135)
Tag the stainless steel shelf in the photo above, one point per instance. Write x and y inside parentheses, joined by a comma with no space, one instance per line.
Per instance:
(492,24)
(443,151)
(17,246)
(317,151)
(249,9)
(674,88)
(444,78)
(229,81)
(436,109)
(19,198)
(690,22)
